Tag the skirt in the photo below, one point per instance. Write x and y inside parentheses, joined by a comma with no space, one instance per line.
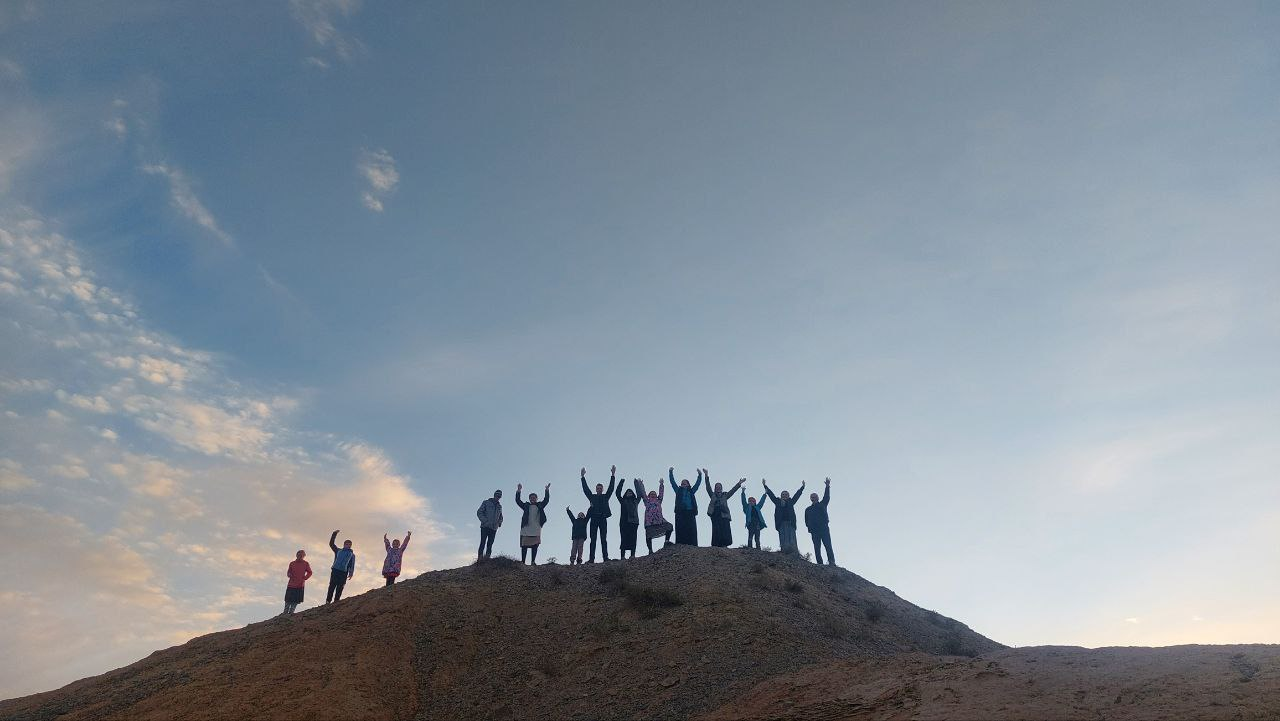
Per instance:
(628,531)
(687,527)
(530,541)
(787,538)
(658,530)
(721,532)
(293,595)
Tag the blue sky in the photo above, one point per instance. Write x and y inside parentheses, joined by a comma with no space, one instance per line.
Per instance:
(1006,273)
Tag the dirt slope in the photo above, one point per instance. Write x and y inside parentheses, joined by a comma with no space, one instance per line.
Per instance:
(1048,682)
(683,633)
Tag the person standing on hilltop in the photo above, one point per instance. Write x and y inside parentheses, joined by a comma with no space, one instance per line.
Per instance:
(754,513)
(628,520)
(784,517)
(531,523)
(819,525)
(578,535)
(686,507)
(599,513)
(490,515)
(654,524)
(344,568)
(298,573)
(395,554)
(718,509)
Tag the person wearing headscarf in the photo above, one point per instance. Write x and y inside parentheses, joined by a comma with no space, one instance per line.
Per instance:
(718,509)
(395,555)
(628,520)
(654,524)
(686,507)
(784,517)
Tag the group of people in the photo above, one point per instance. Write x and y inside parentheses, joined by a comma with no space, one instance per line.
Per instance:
(593,523)
(342,570)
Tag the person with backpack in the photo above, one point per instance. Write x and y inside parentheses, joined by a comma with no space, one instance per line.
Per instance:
(654,524)
(754,513)
(784,517)
(578,535)
(718,510)
(343,570)
(628,520)
(599,513)
(531,523)
(686,507)
(299,571)
(819,525)
(490,515)
(395,554)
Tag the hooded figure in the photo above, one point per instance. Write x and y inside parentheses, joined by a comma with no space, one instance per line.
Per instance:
(628,519)
(784,517)
(599,513)
(718,509)
(754,514)
(686,507)
(395,554)
(654,524)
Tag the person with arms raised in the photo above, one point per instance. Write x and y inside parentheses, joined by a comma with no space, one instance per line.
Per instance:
(686,507)
(395,554)
(599,513)
(578,535)
(754,513)
(628,520)
(819,525)
(718,509)
(531,523)
(654,524)
(343,569)
(784,517)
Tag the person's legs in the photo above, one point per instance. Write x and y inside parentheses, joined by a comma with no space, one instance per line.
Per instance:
(826,541)
(604,538)
(488,546)
(594,530)
(524,553)
(533,555)
(333,585)
(575,555)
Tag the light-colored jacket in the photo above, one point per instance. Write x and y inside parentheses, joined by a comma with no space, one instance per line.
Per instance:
(490,513)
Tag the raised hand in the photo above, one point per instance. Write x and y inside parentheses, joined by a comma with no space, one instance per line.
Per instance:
(613,470)
(584,472)
(828,481)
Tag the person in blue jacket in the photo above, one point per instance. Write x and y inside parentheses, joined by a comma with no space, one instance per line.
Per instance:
(754,513)
(686,507)
(599,513)
(819,525)
(344,568)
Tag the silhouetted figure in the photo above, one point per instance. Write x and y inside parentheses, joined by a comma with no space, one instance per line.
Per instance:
(718,509)
(784,517)
(490,515)
(531,523)
(343,570)
(654,524)
(578,536)
(815,519)
(395,554)
(754,514)
(686,507)
(628,519)
(298,573)
(599,513)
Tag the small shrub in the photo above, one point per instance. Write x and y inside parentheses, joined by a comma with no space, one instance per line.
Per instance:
(794,586)
(767,549)
(551,561)
(874,611)
(650,602)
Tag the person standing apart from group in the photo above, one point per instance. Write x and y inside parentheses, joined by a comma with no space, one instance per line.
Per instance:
(599,513)
(490,515)
(654,524)
(784,517)
(754,513)
(395,554)
(343,570)
(298,573)
(718,509)
(819,525)
(686,507)
(628,520)
(531,523)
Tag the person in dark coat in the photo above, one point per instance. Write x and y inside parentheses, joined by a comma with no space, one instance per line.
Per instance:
(819,525)
(718,509)
(578,535)
(686,507)
(754,514)
(628,519)
(599,513)
(490,515)
(531,523)
(784,517)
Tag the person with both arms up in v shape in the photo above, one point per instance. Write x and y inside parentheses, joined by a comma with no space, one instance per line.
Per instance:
(599,513)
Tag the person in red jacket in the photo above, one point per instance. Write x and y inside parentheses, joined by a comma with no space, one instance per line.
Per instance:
(298,573)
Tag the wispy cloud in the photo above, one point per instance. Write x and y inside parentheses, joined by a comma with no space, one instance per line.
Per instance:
(379,171)
(185,200)
(320,19)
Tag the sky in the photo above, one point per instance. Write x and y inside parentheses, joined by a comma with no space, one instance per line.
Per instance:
(1005,272)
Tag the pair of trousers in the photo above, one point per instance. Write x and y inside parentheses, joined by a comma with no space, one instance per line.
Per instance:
(753,538)
(822,538)
(599,526)
(575,553)
(486,542)
(390,580)
(337,579)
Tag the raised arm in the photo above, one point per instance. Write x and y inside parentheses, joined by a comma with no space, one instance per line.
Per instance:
(585,491)
(826,495)
(662,489)
(618,493)
(385,543)
(768,492)
(738,485)
(613,481)
(546,497)
(568,512)
(640,487)
(671,476)
(405,542)
(699,483)
(795,496)
(332,541)
(743,498)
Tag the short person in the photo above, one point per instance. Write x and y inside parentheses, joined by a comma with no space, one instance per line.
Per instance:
(395,555)
(298,573)
(577,536)
(754,514)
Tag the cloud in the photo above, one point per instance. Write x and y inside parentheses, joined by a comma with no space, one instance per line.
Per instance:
(185,200)
(320,18)
(379,170)
(132,446)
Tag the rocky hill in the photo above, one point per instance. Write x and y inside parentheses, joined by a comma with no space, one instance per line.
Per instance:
(685,633)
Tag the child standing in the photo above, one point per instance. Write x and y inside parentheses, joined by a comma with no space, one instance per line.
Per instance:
(579,535)
(298,573)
